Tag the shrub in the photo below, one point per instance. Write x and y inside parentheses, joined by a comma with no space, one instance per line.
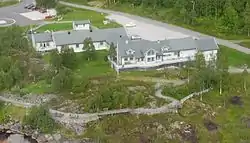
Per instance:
(40,118)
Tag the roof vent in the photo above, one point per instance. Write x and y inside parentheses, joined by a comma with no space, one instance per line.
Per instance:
(126,41)
(68,32)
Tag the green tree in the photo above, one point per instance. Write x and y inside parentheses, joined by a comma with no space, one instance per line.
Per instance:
(40,118)
(222,70)
(63,80)
(46,3)
(55,59)
(247,18)
(244,79)
(112,51)
(89,48)
(230,19)
(200,70)
(69,58)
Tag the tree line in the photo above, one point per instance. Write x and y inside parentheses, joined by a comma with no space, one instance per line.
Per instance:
(226,16)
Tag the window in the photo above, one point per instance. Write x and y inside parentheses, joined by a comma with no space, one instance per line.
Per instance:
(131,58)
(153,59)
(101,43)
(125,59)
(177,53)
(77,45)
(149,59)
(142,59)
(47,44)
(44,45)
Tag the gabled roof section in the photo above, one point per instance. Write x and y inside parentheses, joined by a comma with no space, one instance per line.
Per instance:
(77,37)
(81,22)
(182,44)
(206,44)
(43,37)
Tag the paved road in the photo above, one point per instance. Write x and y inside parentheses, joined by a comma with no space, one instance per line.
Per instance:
(14,11)
(161,24)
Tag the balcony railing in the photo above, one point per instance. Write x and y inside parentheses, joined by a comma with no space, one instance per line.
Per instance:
(153,64)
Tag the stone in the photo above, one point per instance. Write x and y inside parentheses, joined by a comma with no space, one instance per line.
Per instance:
(57,137)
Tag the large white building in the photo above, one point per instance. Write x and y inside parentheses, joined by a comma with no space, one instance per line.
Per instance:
(132,53)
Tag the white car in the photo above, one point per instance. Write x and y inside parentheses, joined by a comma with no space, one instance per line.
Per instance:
(130,24)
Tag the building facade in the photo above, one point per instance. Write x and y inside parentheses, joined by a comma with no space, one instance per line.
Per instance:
(132,53)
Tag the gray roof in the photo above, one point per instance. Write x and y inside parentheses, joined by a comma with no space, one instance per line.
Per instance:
(119,35)
(82,22)
(141,46)
(206,44)
(43,37)
(78,36)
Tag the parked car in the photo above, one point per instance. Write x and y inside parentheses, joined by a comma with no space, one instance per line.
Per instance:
(31,6)
(28,5)
(34,8)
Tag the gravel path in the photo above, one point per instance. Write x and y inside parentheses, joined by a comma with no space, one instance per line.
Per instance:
(160,24)
(69,118)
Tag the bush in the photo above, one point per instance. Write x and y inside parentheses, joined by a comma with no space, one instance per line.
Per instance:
(40,118)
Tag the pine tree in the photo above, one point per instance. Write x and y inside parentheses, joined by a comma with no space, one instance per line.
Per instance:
(247,18)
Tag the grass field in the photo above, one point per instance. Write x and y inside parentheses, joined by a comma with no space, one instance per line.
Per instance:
(8,3)
(55,27)
(245,44)
(236,58)
(76,14)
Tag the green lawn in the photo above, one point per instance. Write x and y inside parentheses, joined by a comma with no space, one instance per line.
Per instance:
(82,14)
(236,58)
(98,67)
(55,27)
(8,3)
(245,44)
(76,14)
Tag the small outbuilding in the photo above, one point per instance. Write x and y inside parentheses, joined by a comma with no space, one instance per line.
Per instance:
(81,25)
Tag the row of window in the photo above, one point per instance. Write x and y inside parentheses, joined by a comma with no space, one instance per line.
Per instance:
(44,44)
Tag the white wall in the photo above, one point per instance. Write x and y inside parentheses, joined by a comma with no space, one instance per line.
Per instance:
(169,55)
(131,60)
(210,55)
(81,27)
(45,46)
(188,53)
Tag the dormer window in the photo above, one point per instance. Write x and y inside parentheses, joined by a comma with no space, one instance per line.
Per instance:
(164,49)
(130,52)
